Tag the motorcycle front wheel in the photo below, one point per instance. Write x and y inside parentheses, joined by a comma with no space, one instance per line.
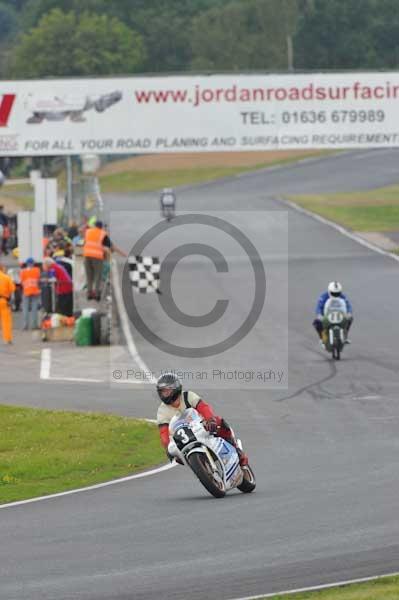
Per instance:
(336,354)
(249,482)
(199,463)
(337,346)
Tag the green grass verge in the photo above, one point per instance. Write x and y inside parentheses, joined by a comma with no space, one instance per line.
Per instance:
(145,181)
(21,195)
(386,588)
(44,452)
(375,210)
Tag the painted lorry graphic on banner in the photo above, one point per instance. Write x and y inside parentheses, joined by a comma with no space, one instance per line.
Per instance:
(199,113)
(58,108)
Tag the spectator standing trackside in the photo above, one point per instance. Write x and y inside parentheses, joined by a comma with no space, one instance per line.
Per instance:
(96,247)
(4,231)
(7,287)
(64,287)
(64,259)
(30,280)
(72,230)
(94,252)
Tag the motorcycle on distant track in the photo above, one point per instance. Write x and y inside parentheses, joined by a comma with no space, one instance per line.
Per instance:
(334,326)
(212,459)
(168,204)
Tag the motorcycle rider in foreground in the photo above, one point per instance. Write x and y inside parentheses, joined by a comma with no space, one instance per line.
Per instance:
(334,290)
(174,401)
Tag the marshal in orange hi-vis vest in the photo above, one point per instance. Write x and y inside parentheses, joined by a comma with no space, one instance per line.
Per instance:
(30,278)
(7,287)
(93,246)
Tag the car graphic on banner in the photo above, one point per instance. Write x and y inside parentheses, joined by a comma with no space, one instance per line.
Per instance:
(59,108)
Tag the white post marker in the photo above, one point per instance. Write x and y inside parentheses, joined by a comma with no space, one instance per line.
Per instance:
(45,363)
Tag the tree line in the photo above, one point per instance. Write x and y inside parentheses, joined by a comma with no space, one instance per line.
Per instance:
(57,38)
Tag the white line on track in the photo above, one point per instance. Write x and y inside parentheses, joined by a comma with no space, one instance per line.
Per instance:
(339,228)
(125,321)
(131,382)
(45,370)
(45,363)
(317,587)
(77,379)
(91,487)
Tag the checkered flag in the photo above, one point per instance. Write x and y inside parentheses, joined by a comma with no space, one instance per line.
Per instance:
(144,273)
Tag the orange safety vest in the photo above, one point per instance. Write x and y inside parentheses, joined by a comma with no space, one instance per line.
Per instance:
(30,281)
(93,246)
(7,286)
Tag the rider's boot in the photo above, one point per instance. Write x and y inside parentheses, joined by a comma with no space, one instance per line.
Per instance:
(323,338)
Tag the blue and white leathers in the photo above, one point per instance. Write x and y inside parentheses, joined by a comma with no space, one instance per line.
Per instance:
(326,296)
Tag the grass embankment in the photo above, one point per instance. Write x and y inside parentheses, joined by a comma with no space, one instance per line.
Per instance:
(375,210)
(136,180)
(44,452)
(386,588)
(17,197)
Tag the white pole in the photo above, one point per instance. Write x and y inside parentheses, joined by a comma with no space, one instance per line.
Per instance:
(69,188)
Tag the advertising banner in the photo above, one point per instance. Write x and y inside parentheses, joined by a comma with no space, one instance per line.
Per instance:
(199,113)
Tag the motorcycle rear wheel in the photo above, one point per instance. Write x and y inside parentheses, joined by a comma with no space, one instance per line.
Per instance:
(249,482)
(201,467)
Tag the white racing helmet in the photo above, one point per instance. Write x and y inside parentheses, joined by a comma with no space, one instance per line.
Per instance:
(334,289)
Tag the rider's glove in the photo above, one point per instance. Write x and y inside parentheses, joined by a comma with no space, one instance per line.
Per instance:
(319,317)
(211,426)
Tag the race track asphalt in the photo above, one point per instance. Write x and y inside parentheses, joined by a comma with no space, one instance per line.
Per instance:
(324,448)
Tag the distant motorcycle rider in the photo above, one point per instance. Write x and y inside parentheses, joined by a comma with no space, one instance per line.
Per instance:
(168,203)
(334,290)
(174,401)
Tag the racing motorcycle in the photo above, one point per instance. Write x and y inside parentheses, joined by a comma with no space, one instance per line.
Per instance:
(212,459)
(334,326)
(168,204)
